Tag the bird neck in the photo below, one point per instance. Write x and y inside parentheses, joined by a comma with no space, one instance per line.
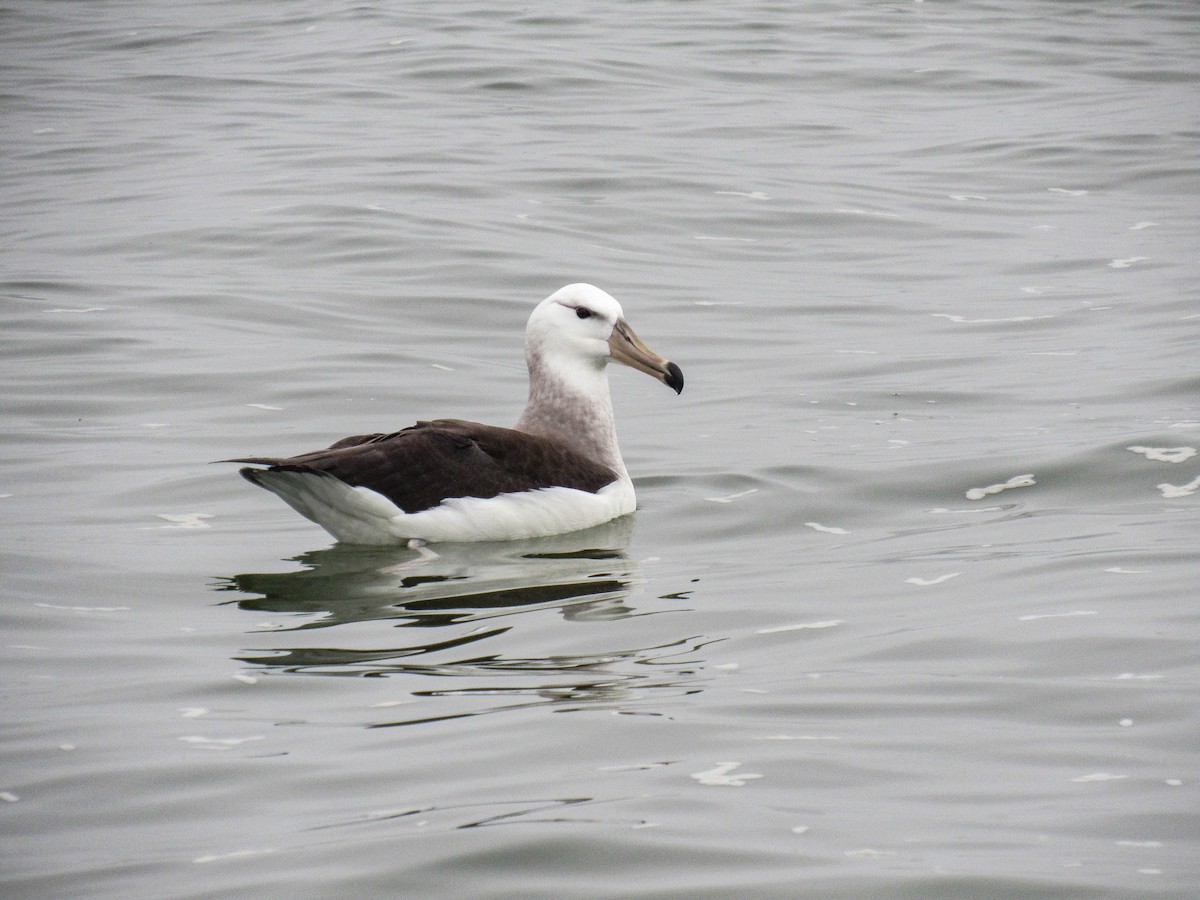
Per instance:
(572,404)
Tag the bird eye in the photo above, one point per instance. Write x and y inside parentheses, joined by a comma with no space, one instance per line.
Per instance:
(583,312)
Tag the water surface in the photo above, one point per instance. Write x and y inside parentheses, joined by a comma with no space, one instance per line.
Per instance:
(909,607)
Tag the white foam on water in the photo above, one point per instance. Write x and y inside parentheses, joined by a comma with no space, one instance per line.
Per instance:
(825,529)
(729,498)
(1165,454)
(720,777)
(1175,491)
(930,582)
(1017,481)
(184,520)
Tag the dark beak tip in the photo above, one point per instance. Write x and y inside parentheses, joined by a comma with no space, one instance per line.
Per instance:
(674,379)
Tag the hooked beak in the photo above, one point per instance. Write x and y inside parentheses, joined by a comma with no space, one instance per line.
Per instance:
(626,347)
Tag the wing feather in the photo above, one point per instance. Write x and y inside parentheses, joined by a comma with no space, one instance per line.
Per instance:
(419,467)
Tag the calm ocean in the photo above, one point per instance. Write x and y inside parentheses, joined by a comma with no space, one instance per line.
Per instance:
(910,606)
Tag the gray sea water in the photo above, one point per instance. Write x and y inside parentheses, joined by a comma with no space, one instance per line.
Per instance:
(910,606)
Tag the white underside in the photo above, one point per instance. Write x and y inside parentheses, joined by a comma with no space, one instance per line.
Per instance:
(358,515)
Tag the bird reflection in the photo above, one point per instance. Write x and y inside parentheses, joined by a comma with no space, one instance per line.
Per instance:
(480,600)
(585,575)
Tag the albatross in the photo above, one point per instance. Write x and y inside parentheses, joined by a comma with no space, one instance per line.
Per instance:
(558,469)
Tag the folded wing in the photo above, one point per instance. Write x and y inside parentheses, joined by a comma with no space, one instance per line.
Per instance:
(419,467)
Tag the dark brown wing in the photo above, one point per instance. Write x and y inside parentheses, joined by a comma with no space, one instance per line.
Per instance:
(421,466)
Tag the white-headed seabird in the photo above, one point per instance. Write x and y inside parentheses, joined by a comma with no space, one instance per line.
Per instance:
(558,470)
